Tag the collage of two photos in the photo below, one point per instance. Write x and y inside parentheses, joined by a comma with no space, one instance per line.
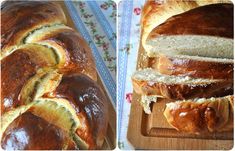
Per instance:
(117,75)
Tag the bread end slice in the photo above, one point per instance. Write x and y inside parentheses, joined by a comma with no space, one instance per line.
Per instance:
(193,66)
(190,45)
(201,115)
(150,82)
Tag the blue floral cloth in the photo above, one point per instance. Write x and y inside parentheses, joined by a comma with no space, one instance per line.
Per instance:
(129,33)
(96,21)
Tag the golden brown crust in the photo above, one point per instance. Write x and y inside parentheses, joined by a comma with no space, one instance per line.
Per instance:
(78,56)
(195,116)
(162,19)
(30,132)
(155,13)
(212,20)
(183,91)
(21,17)
(16,70)
(90,105)
(45,50)
(180,66)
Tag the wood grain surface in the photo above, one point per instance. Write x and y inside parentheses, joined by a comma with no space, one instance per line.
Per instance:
(110,140)
(152,131)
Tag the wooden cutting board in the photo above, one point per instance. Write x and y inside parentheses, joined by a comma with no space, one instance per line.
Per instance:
(152,131)
(110,139)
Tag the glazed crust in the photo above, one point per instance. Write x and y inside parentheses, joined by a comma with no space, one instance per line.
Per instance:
(90,105)
(183,91)
(79,60)
(32,73)
(18,20)
(212,20)
(30,132)
(16,70)
(155,13)
(211,24)
(193,68)
(10,89)
(201,117)
(78,56)
(189,116)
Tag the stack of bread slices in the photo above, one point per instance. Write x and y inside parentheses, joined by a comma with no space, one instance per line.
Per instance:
(190,62)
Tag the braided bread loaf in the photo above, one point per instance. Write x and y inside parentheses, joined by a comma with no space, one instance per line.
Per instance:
(50,98)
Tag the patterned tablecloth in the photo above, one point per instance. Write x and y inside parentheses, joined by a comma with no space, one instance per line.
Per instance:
(96,21)
(129,32)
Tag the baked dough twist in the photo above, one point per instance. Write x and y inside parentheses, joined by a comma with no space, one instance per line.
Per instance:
(49,95)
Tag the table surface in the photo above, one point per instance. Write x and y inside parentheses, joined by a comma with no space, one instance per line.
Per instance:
(129,37)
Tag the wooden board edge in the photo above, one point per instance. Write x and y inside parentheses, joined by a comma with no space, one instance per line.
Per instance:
(140,141)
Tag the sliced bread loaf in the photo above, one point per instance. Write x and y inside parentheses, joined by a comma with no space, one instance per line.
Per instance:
(205,31)
(201,115)
(150,82)
(154,13)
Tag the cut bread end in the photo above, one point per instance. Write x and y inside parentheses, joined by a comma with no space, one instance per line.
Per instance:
(150,82)
(146,101)
(201,115)
(193,66)
(191,45)
(153,76)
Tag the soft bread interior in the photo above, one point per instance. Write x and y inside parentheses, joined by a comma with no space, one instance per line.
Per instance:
(191,45)
(146,100)
(198,58)
(153,76)
(200,100)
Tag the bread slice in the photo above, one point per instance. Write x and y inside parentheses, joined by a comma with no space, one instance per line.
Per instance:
(146,100)
(193,66)
(213,20)
(154,13)
(211,36)
(150,82)
(201,115)
(180,33)
(191,45)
